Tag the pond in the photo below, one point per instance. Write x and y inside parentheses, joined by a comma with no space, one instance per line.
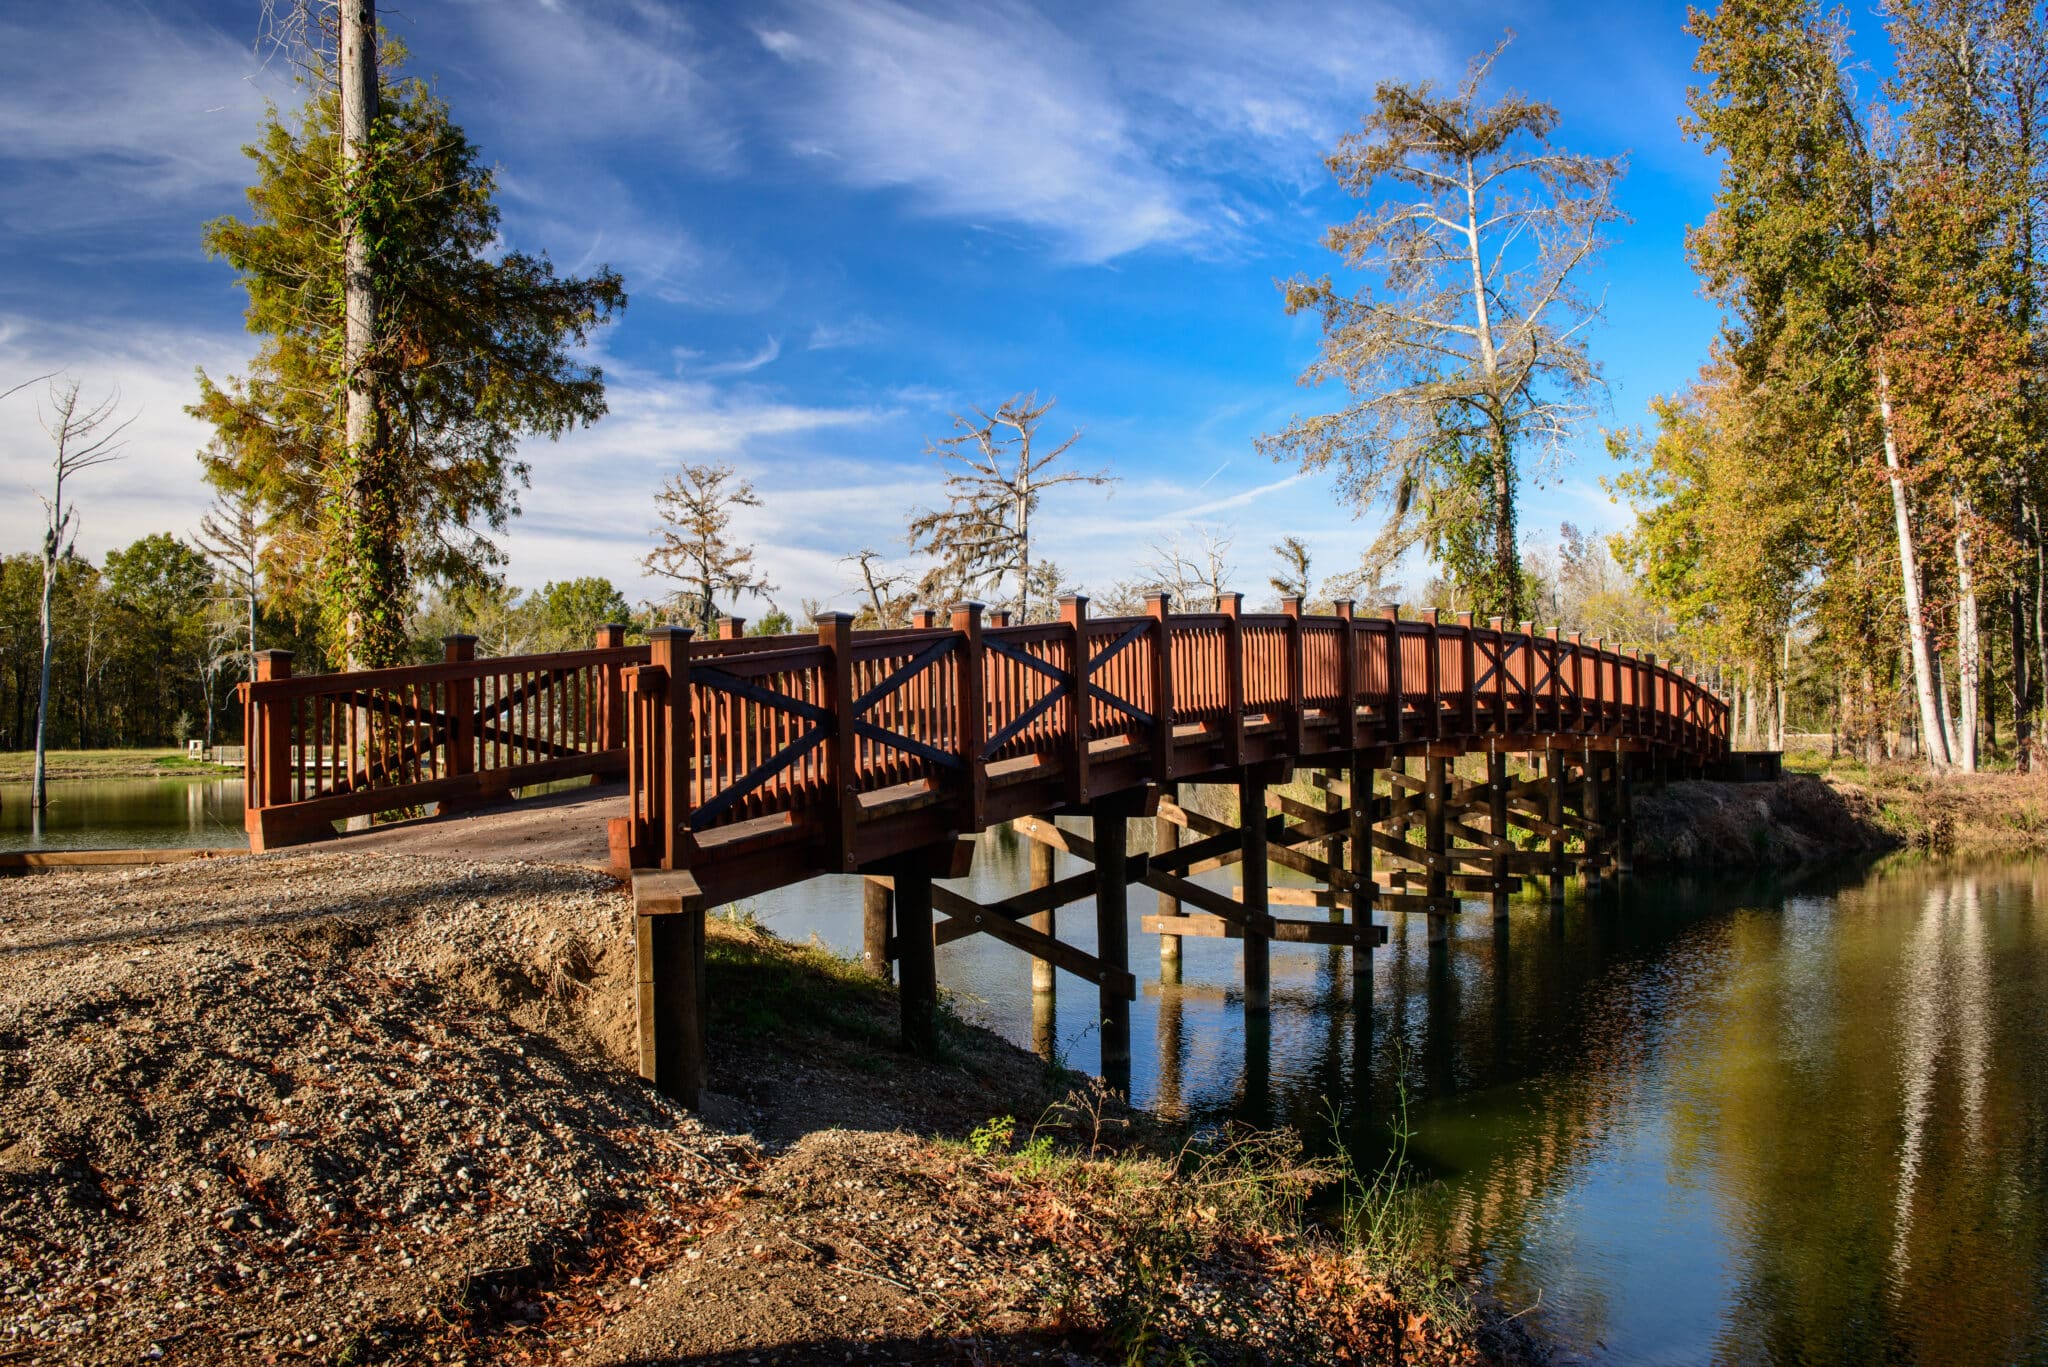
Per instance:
(118,813)
(1682,1122)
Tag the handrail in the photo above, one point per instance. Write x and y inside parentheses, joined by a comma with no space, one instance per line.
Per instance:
(800,729)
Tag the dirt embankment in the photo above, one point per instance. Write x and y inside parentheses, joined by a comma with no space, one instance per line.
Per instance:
(1807,819)
(353,1109)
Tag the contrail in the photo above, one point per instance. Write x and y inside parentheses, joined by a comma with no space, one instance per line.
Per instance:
(1212,477)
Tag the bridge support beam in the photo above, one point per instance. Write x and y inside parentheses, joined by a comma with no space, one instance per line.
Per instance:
(1554,814)
(1497,826)
(668,938)
(876,906)
(1046,923)
(1437,881)
(1258,963)
(1625,817)
(1112,820)
(917,973)
(1590,808)
(1166,838)
(1359,776)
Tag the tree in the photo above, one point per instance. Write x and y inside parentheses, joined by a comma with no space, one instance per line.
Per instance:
(1292,580)
(1197,571)
(86,435)
(995,480)
(696,505)
(1795,251)
(1469,350)
(383,459)
(568,612)
(879,585)
(232,537)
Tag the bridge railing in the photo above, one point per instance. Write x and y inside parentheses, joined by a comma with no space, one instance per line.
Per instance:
(793,736)
(466,731)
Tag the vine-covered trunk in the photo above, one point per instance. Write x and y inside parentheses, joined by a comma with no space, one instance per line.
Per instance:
(1969,656)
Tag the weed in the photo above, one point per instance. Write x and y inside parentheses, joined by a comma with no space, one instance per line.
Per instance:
(993,1136)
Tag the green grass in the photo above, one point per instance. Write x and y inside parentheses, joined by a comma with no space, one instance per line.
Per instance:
(18,766)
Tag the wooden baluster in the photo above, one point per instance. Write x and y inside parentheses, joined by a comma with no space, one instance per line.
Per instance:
(973,716)
(1159,607)
(1074,616)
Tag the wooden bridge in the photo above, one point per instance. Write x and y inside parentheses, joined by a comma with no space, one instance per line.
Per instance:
(752,763)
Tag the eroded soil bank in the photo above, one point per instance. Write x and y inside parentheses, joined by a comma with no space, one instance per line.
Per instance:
(1809,819)
(355,1108)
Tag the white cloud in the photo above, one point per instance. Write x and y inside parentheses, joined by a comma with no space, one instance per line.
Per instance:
(997,115)
(111,114)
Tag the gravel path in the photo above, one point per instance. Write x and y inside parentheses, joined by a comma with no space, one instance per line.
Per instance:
(338,1106)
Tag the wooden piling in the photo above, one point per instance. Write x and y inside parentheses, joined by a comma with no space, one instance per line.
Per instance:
(1166,837)
(1258,966)
(917,975)
(1554,813)
(1625,818)
(1497,824)
(1437,879)
(875,906)
(1044,922)
(1112,937)
(1359,773)
(1591,809)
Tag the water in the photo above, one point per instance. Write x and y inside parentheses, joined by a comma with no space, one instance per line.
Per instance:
(1687,1123)
(117,813)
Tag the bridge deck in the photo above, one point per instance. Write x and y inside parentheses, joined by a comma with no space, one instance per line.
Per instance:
(558,828)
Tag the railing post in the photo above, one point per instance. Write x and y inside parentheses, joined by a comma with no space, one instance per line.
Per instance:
(1396,704)
(669,651)
(1468,658)
(835,633)
(1527,631)
(1297,691)
(1578,683)
(459,739)
(1500,674)
(925,619)
(731,628)
(1433,671)
(611,716)
(973,716)
(1347,678)
(1231,605)
(266,752)
(1074,614)
(999,617)
(1159,607)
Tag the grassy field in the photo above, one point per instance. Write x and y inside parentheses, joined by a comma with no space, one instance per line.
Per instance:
(16,766)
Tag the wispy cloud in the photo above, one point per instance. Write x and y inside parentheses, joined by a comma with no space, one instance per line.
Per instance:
(990,114)
(858,330)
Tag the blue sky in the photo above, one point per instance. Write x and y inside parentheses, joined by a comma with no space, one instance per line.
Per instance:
(838,224)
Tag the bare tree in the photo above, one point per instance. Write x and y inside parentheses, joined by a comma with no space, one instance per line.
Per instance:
(1470,350)
(232,537)
(86,435)
(1194,572)
(994,481)
(696,549)
(880,584)
(1292,580)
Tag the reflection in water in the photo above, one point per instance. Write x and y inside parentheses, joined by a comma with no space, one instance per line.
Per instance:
(126,813)
(1697,1124)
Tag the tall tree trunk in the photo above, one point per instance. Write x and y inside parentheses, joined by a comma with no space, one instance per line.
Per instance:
(39,790)
(367,492)
(1969,658)
(1933,737)
(1784,678)
(2022,675)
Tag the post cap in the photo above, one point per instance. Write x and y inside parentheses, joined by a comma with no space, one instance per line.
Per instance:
(1391,611)
(966,605)
(454,637)
(830,619)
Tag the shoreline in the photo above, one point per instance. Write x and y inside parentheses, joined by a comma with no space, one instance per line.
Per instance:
(395,1093)
(18,766)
